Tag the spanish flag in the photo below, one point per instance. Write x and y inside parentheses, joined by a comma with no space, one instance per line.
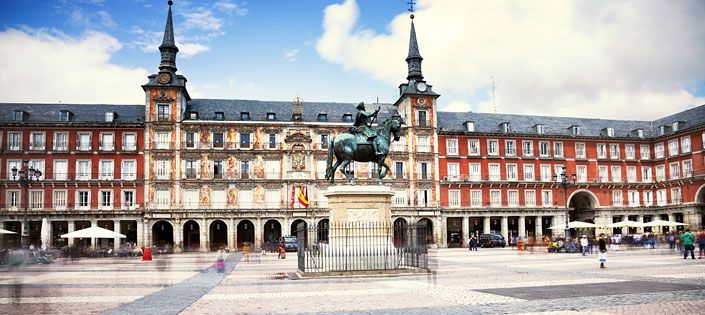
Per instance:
(302,196)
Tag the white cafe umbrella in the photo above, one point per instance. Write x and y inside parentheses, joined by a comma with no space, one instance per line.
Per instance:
(93,232)
(625,223)
(574,225)
(45,234)
(3,231)
(663,223)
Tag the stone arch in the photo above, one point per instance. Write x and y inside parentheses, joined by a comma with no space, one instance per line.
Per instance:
(162,233)
(192,236)
(699,195)
(401,233)
(594,201)
(582,204)
(245,233)
(322,228)
(424,231)
(217,234)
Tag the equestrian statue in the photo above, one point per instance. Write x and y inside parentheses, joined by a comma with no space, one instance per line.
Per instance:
(362,143)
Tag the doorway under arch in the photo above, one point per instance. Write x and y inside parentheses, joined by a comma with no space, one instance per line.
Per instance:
(162,234)
(192,236)
(271,234)
(424,231)
(583,204)
(323,228)
(218,235)
(294,227)
(245,233)
(401,235)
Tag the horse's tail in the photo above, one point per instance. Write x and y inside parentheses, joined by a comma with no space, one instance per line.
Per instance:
(329,161)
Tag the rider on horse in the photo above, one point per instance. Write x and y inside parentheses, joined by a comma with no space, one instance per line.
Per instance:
(362,125)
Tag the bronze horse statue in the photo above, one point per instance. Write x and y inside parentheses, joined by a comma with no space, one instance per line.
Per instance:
(355,147)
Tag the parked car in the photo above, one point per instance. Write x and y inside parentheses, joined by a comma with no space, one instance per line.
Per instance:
(492,240)
(289,243)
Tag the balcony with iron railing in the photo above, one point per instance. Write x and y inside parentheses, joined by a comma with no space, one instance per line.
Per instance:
(81,176)
(61,146)
(106,146)
(37,146)
(83,147)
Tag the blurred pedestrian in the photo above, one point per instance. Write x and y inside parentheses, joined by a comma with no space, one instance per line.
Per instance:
(687,240)
(584,244)
(701,244)
(602,244)
(220,259)
(472,244)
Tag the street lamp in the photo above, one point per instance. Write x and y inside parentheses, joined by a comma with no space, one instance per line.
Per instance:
(565,183)
(25,177)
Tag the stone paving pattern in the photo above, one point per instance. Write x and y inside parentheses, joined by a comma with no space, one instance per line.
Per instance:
(490,281)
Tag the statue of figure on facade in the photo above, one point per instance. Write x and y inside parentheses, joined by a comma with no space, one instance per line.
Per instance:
(362,143)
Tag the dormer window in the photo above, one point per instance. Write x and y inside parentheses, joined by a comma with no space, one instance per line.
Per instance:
(662,130)
(470,126)
(674,126)
(219,116)
(193,115)
(639,133)
(18,115)
(504,127)
(322,117)
(296,117)
(575,130)
(347,117)
(65,116)
(539,129)
(609,132)
(244,116)
(109,116)
(271,116)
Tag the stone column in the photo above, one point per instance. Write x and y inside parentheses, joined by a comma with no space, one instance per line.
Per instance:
(116,241)
(147,233)
(72,227)
(486,225)
(640,219)
(443,237)
(258,234)
(505,228)
(178,232)
(203,234)
(466,230)
(522,227)
(94,241)
(139,227)
(539,228)
(232,239)
(558,220)
(694,219)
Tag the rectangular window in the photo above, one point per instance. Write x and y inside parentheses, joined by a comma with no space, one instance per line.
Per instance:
(128,199)
(631,174)
(84,142)
(61,169)
(475,173)
(581,173)
(495,198)
(604,177)
(673,147)
(325,142)
(424,170)
(528,148)
(36,199)
(451,146)
(676,195)
(219,199)
(646,174)
(83,170)
(530,198)
(629,151)
(529,172)
(162,169)
(645,153)
(37,141)
(12,199)
(106,200)
(106,142)
(163,112)
(658,150)
(558,149)
(129,142)
(162,199)
(14,141)
(272,169)
(453,171)
(217,169)
(558,170)
(163,140)
(245,199)
(105,170)
(474,147)
(37,165)
(510,148)
(544,148)
(59,200)
(512,198)
(422,118)
(218,140)
(454,198)
(244,140)
(83,200)
(616,174)
(272,198)
(191,199)
(617,198)
(399,199)
(614,151)
(601,151)
(61,141)
(190,140)
(661,197)
(685,144)
(512,173)
(547,198)
(399,170)
(660,173)
(422,144)
(476,198)
(192,169)
(492,147)
(580,150)
(633,198)
(546,172)
(244,169)
(129,170)
(675,170)
(648,198)
(494,171)
(687,168)
(16,164)
(272,141)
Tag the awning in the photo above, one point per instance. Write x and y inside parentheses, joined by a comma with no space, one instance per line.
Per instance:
(93,232)
(575,225)
(663,223)
(625,223)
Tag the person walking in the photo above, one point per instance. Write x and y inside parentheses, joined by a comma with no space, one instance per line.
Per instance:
(687,240)
(220,259)
(472,244)
(701,244)
(603,251)
(584,243)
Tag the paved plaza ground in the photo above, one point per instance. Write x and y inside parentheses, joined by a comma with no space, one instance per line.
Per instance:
(490,281)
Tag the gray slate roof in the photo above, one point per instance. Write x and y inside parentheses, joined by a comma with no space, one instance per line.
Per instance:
(258,110)
(82,113)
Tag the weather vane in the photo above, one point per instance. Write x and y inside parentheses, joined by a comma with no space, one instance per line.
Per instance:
(411,4)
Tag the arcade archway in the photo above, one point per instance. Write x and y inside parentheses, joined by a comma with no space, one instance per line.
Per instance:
(162,234)
(582,205)
(424,231)
(192,236)
(294,227)
(272,233)
(401,235)
(245,233)
(218,233)
(323,227)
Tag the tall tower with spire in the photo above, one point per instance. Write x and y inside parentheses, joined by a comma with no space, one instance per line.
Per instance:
(417,104)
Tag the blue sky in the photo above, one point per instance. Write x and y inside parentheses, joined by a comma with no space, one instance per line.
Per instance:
(547,58)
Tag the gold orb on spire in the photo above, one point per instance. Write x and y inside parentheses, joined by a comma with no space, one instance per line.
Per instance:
(298,101)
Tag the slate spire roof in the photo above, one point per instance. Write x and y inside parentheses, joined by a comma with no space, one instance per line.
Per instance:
(414,58)
(168,47)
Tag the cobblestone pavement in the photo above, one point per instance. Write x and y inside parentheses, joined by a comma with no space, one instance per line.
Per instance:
(490,281)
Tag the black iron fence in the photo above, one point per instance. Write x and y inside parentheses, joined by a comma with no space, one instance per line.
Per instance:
(358,246)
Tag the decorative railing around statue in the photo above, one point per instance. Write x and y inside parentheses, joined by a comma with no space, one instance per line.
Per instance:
(361,247)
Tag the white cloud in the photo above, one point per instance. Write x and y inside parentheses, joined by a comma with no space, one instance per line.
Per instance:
(291,54)
(202,19)
(614,59)
(49,66)
(230,7)
(91,20)
(106,20)
(457,106)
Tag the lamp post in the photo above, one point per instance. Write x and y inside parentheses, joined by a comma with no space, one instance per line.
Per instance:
(25,177)
(566,181)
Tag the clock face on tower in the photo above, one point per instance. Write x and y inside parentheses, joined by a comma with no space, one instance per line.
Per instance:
(164,78)
(421,87)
